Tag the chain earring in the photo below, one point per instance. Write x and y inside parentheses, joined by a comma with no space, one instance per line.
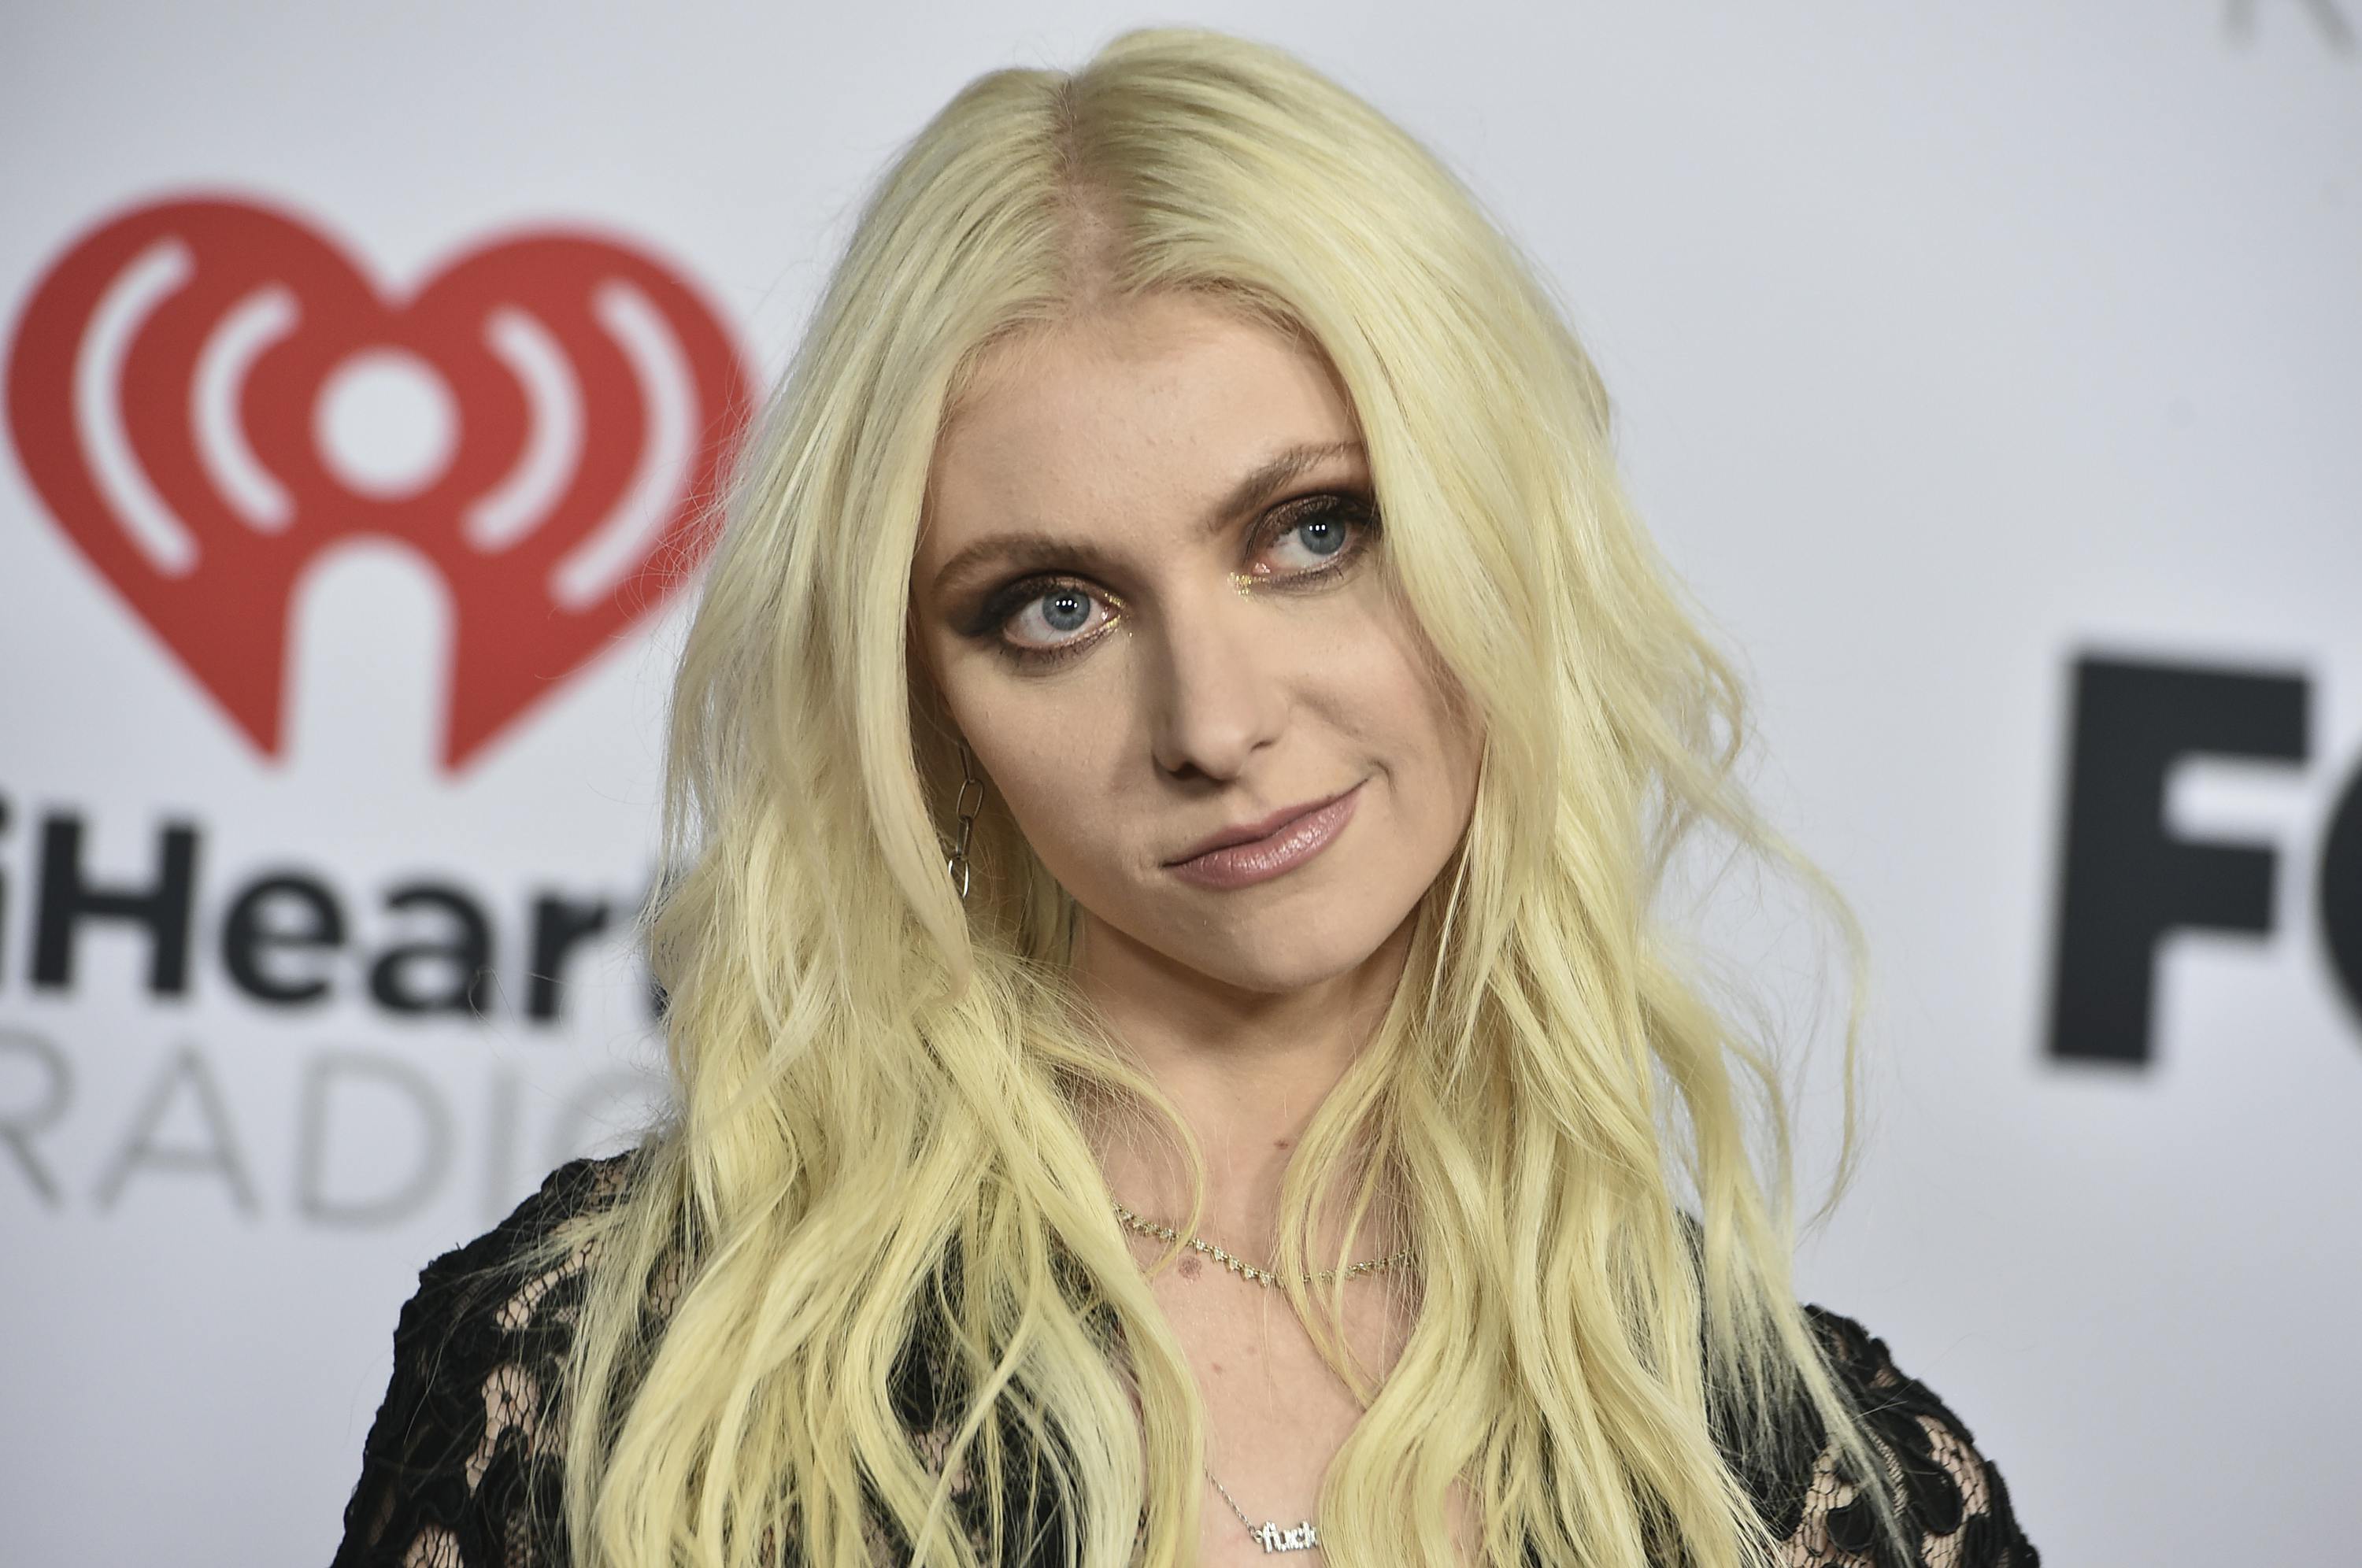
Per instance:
(957,862)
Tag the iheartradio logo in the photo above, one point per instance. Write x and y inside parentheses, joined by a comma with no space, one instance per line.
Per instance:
(207,393)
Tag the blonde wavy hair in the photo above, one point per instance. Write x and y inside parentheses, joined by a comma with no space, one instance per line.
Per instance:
(872,1076)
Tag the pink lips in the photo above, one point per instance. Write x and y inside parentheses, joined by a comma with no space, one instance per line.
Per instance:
(1287,847)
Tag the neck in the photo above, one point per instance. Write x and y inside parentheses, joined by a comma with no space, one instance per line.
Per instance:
(1247,1070)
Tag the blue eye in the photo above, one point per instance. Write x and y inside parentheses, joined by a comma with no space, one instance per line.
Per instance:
(1330,531)
(1334,529)
(1066,609)
(1068,601)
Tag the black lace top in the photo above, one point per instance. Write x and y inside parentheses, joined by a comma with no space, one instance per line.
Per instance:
(464,1442)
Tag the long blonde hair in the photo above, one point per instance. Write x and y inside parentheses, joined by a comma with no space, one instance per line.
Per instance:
(872,1076)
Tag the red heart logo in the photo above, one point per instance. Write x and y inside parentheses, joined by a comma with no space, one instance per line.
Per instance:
(183,389)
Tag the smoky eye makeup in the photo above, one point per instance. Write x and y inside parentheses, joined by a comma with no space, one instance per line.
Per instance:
(1345,515)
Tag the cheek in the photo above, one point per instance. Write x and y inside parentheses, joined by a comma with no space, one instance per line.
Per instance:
(1396,682)
(1057,771)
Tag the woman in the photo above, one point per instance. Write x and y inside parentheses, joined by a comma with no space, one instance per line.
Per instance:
(1174,1057)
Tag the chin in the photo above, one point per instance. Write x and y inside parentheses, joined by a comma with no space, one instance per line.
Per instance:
(1260,966)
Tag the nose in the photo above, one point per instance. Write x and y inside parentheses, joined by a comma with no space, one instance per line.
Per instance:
(1218,671)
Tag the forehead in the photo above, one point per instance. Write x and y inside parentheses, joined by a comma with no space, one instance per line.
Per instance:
(1167,397)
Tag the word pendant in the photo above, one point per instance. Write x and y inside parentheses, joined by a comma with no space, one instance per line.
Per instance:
(1303,1538)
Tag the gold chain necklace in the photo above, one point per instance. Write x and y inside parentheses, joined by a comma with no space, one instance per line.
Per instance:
(1239,1265)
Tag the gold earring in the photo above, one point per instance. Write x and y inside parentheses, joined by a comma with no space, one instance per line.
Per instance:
(957,862)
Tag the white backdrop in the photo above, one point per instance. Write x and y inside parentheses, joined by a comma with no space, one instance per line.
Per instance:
(1956,347)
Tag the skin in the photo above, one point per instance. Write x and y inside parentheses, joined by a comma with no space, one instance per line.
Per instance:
(1201,691)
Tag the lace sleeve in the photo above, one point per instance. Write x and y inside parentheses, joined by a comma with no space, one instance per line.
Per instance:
(460,1467)
(1957,1509)
(463,1465)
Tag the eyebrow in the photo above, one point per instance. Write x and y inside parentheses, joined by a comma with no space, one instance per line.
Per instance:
(1031,546)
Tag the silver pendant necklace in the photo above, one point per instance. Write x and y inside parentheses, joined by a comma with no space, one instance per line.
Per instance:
(1244,1269)
(1268,1535)
(1304,1536)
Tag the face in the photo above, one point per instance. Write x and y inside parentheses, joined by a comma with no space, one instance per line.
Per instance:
(1148,592)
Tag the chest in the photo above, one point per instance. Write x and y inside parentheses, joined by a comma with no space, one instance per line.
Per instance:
(1276,1413)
